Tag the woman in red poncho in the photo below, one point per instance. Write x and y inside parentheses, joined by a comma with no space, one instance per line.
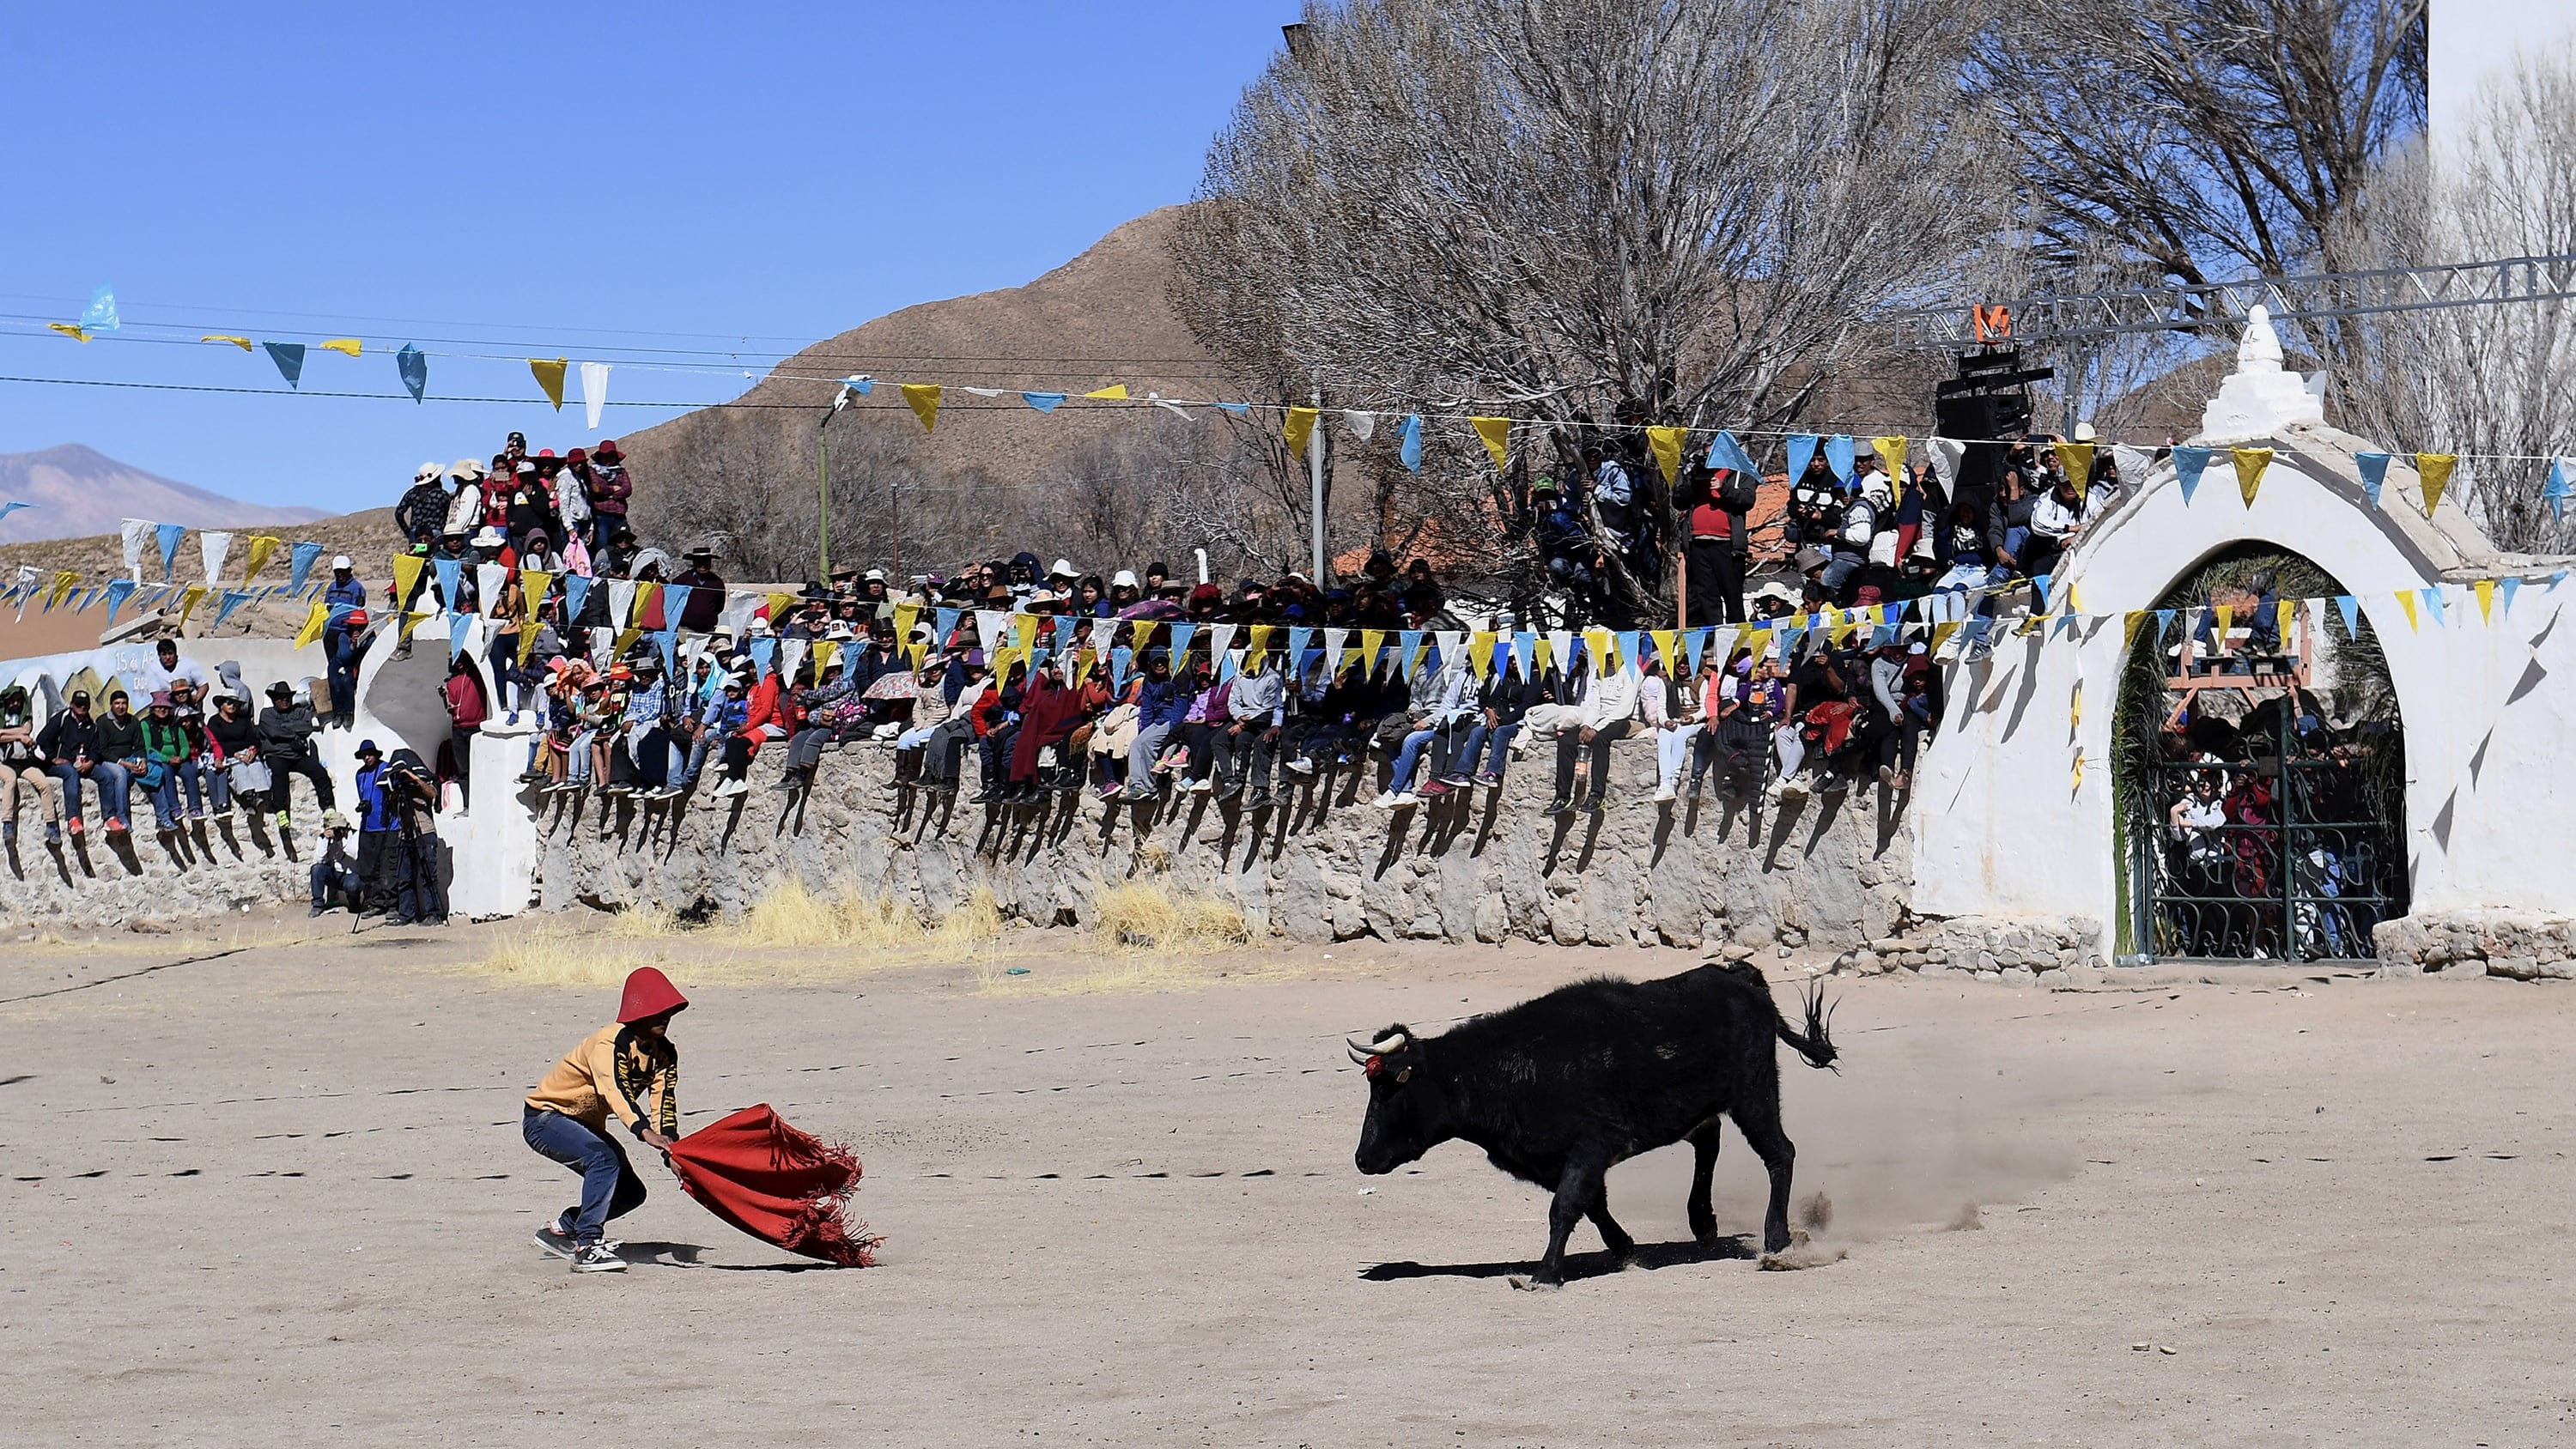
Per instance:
(625,1070)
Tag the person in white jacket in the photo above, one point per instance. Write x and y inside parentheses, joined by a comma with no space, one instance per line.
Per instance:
(1665,711)
(1609,710)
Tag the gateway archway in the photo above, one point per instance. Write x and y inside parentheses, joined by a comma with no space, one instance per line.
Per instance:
(2259,769)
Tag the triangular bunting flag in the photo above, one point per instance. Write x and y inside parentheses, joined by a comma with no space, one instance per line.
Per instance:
(549,373)
(1840,454)
(1114,392)
(169,535)
(1409,450)
(289,357)
(1802,451)
(1301,426)
(2374,472)
(1497,436)
(261,546)
(2188,466)
(2434,471)
(2250,463)
(2077,461)
(1891,455)
(923,399)
(1666,444)
(1045,402)
(2406,601)
(412,366)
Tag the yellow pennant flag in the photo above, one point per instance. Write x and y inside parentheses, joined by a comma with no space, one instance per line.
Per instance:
(533,584)
(1941,633)
(1543,656)
(527,646)
(625,641)
(1667,446)
(261,546)
(350,346)
(904,615)
(62,588)
(1480,652)
(825,651)
(1114,392)
(2129,623)
(68,330)
(1604,649)
(1301,425)
(550,376)
(2077,460)
(2250,463)
(1024,628)
(923,399)
(2486,599)
(1667,649)
(1891,453)
(407,567)
(188,599)
(2075,706)
(1371,641)
(241,342)
(2078,786)
(1497,433)
(2287,612)
(2226,620)
(1259,641)
(779,604)
(1143,630)
(2435,471)
(313,622)
(2406,601)
(414,620)
(646,591)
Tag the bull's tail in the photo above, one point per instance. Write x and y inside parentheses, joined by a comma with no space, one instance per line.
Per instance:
(1816,1044)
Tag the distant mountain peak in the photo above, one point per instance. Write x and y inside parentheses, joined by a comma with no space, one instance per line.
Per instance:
(79,491)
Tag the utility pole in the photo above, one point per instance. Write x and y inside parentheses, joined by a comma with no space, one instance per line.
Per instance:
(1315,478)
(823,520)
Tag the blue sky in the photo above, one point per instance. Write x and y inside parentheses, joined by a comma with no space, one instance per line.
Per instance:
(538,179)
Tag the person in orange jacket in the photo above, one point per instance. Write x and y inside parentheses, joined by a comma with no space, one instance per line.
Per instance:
(624,1070)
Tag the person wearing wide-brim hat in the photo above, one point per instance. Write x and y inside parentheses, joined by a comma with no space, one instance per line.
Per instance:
(628,1070)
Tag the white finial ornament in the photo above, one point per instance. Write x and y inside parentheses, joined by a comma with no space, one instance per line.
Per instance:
(2260,397)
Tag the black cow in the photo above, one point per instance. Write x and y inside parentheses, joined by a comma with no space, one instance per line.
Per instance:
(1559,1088)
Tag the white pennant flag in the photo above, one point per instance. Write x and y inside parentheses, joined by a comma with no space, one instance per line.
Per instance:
(489,580)
(1945,461)
(214,546)
(1334,641)
(26,589)
(791,654)
(1104,635)
(1560,650)
(988,627)
(1453,648)
(1218,637)
(1361,424)
(738,609)
(594,391)
(621,600)
(133,532)
(2133,463)
(601,641)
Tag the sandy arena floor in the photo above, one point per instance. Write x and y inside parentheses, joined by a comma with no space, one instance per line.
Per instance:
(280,1197)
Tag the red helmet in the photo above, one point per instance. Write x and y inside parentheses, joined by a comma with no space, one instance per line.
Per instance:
(357,619)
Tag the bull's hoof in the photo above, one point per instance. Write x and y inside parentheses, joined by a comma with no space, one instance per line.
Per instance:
(1705,1234)
(1540,1280)
(1775,1242)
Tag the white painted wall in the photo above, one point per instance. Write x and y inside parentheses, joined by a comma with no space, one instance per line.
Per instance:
(2489,708)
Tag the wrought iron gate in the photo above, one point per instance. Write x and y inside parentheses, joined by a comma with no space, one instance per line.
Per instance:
(2302,862)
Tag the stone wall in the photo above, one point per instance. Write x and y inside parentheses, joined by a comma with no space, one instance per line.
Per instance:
(1322,865)
(95,881)
(2525,945)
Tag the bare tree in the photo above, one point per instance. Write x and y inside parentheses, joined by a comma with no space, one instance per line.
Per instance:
(2494,380)
(1578,210)
(2199,135)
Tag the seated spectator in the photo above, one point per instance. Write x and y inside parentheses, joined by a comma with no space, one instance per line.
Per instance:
(1609,712)
(24,769)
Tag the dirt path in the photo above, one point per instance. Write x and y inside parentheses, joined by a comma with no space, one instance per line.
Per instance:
(280,1197)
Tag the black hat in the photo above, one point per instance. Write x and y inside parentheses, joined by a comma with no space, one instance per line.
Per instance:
(280,689)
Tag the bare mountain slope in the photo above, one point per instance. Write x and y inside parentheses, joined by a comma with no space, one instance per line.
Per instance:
(1099,319)
(79,491)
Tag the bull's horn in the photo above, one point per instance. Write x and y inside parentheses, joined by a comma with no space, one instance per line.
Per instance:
(1394,1042)
(1357,1055)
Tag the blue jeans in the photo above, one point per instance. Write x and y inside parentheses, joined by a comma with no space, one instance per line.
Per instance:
(334,884)
(1406,758)
(609,1187)
(115,785)
(165,798)
(1484,738)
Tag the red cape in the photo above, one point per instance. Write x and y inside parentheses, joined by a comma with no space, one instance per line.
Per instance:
(780,1185)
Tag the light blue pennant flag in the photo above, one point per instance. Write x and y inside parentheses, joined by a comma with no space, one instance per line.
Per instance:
(2164,626)
(289,357)
(168,534)
(2433,606)
(2350,608)
(763,650)
(233,599)
(117,593)
(301,565)
(1236,408)
(1725,452)
(2039,593)
(1802,451)
(2556,492)
(412,365)
(1120,659)
(1411,449)
(1627,640)
(1696,643)
(1181,633)
(1525,652)
(459,624)
(576,589)
(665,640)
(1045,402)
(446,571)
(1407,640)
(12,506)
(2188,463)
(2374,471)
(1975,629)
(1225,667)
(947,619)
(1886,633)
(2509,586)
(1297,637)
(100,314)
(1065,627)
(675,598)
(1839,454)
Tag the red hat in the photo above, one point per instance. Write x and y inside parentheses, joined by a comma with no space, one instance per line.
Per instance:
(648,993)
(355,619)
(576,456)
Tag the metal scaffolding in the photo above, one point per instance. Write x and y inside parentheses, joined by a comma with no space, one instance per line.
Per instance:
(2222,306)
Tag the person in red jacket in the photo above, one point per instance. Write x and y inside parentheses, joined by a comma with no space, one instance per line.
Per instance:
(466,711)
(770,716)
(624,1070)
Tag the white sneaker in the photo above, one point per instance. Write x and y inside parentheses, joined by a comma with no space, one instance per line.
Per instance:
(1386,800)
(1664,794)
(597,1258)
(1793,789)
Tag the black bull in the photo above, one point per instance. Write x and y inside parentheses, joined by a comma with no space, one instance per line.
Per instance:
(1560,1088)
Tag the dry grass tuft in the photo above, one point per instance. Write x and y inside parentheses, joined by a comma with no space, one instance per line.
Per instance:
(777,941)
(1148,916)
(1144,937)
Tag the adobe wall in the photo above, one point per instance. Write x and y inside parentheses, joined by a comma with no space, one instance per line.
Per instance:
(1326,866)
(86,883)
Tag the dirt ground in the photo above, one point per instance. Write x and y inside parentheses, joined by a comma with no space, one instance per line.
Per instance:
(280,1197)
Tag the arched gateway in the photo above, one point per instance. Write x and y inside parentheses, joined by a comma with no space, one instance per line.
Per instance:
(2388,781)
